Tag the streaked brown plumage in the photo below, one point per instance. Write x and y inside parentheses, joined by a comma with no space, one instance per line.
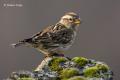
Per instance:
(54,38)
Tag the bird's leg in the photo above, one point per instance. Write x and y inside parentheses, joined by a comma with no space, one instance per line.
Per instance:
(44,52)
(61,53)
(47,55)
(56,53)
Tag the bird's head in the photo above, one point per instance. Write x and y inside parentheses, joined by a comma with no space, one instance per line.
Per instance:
(70,20)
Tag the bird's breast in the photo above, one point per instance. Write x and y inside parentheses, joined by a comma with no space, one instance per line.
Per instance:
(70,42)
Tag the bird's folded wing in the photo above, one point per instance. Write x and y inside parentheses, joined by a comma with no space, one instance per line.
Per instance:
(53,36)
(62,37)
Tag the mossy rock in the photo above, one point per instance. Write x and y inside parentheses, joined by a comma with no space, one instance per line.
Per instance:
(91,72)
(81,61)
(26,79)
(63,68)
(77,78)
(54,64)
(103,67)
(68,73)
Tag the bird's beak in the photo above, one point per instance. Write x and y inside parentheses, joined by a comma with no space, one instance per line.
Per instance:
(77,21)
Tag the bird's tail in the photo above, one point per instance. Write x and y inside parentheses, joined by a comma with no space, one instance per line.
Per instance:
(14,45)
(20,43)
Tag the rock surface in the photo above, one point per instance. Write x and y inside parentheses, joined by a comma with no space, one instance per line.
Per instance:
(64,68)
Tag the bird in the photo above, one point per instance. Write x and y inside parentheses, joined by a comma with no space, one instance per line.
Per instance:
(54,39)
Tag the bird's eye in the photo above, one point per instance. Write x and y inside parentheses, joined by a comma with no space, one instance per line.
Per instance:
(71,19)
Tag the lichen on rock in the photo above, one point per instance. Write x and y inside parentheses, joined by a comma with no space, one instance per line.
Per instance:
(64,68)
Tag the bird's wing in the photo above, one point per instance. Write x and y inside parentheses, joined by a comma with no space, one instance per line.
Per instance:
(35,39)
(43,35)
(53,35)
(63,36)
(47,32)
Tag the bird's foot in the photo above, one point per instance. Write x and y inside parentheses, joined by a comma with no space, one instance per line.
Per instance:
(54,54)
(46,56)
(57,55)
(62,55)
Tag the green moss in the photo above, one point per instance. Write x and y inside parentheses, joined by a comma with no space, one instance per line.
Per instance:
(91,72)
(26,79)
(102,67)
(81,61)
(77,78)
(69,72)
(54,64)
(95,70)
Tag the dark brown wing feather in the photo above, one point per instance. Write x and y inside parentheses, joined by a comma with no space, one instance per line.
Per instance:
(52,35)
(63,36)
